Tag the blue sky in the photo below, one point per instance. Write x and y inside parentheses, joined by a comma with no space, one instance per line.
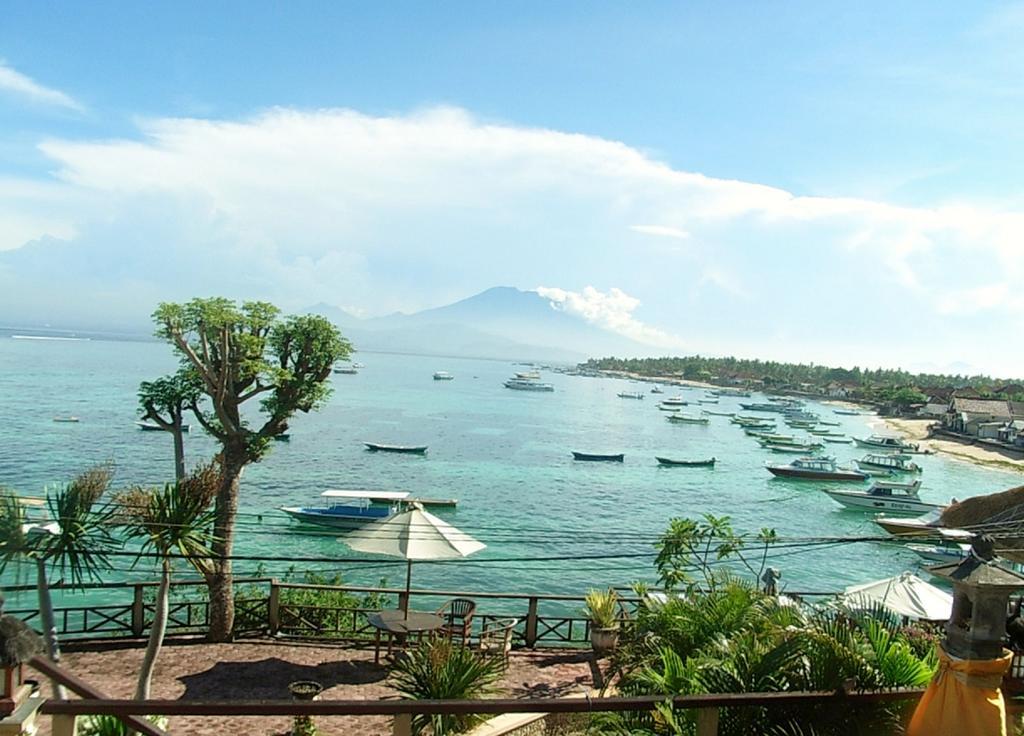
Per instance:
(813,181)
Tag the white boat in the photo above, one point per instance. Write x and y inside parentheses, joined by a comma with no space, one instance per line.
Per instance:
(815,468)
(657,390)
(149,427)
(348,370)
(886,442)
(896,498)
(942,554)
(885,461)
(630,395)
(528,384)
(925,525)
(443,376)
(529,375)
(674,401)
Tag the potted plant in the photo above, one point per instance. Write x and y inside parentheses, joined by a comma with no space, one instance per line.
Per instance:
(603,612)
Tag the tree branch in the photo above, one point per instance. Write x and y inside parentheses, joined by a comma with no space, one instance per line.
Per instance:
(255,392)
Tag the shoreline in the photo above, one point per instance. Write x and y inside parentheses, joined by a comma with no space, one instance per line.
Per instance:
(917,430)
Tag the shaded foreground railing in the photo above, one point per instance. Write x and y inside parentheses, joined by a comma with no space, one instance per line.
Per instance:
(271,612)
(707,707)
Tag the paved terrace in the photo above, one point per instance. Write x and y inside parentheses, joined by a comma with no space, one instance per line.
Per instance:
(255,669)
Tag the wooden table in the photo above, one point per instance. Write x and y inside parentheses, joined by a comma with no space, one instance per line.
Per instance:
(398,625)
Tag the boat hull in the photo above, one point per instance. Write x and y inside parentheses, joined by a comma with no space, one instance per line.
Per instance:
(400,449)
(801,474)
(863,502)
(349,519)
(591,457)
(686,463)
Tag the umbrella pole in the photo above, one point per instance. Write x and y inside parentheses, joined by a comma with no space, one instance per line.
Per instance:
(408,587)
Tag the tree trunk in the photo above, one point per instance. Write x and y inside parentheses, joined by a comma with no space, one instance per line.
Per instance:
(219,580)
(156,633)
(49,626)
(179,450)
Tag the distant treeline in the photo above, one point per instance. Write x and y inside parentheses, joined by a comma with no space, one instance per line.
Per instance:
(878,384)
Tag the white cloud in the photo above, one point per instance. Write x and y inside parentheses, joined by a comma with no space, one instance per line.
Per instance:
(724,280)
(13,81)
(611,310)
(663,231)
(979,299)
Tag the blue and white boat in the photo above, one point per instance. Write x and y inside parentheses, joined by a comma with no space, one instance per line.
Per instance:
(343,509)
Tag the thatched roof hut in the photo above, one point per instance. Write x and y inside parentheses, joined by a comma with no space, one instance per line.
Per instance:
(1000,514)
(18,642)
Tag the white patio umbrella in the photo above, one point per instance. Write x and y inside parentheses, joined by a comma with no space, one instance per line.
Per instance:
(905,595)
(413,535)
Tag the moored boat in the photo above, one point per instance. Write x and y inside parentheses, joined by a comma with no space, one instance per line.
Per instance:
(709,463)
(720,413)
(403,449)
(599,457)
(837,440)
(926,525)
(816,468)
(630,395)
(886,461)
(657,390)
(149,427)
(687,419)
(67,420)
(886,442)
(896,498)
(348,509)
(528,384)
(443,376)
(347,370)
(674,401)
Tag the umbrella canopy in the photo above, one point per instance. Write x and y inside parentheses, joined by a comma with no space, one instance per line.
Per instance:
(905,595)
(413,535)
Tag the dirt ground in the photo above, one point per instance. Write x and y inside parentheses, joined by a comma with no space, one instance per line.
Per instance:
(251,670)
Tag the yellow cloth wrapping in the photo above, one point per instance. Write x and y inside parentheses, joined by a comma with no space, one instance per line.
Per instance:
(963,699)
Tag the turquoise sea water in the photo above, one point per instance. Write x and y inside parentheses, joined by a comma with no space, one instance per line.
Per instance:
(504,454)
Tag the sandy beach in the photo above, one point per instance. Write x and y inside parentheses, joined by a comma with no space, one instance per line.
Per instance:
(917,430)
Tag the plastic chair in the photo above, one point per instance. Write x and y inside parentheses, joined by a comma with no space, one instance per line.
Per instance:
(458,618)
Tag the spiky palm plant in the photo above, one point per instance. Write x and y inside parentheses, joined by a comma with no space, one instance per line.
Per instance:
(441,670)
(174,521)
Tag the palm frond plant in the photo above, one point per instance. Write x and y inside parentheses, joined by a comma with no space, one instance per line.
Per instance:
(441,670)
(75,540)
(173,522)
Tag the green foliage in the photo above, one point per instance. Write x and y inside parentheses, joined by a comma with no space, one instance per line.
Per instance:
(441,670)
(112,726)
(729,637)
(689,546)
(169,396)
(866,384)
(603,608)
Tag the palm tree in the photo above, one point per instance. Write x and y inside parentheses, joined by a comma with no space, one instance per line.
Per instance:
(174,521)
(75,541)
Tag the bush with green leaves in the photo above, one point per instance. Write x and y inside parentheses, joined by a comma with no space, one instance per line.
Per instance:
(442,670)
(113,726)
(721,634)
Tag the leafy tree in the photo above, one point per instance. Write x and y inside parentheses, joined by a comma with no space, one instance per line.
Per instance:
(173,521)
(164,402)
(75,542)
(240,353)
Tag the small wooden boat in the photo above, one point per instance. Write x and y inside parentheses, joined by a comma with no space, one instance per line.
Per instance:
(657,390)
(283,437)
(793,449)
(837,440)
(847,412)
(595,457)
(66,420)
(443,376)
(687,419)
(707,401)
(674,401)
(405,449)
(347,370)
(720,413)
(662,407)
(148,427)
(709,463)
(829,424)
(630,395)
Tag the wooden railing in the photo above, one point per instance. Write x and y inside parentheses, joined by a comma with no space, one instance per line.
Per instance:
(707,707)
(544,620)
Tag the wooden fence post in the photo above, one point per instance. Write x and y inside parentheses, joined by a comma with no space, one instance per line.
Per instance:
(707,721)
(138,611)
(62,725)
(402,725)
(530,634)
(274,608)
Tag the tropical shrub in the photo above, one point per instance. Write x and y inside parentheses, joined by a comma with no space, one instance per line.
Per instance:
(112,726)
(441,670)
(603,608)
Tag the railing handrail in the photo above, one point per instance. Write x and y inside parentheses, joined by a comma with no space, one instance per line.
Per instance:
(125,584)
(486,706)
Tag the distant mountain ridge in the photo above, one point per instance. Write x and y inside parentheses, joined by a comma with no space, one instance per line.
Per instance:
(501,322)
